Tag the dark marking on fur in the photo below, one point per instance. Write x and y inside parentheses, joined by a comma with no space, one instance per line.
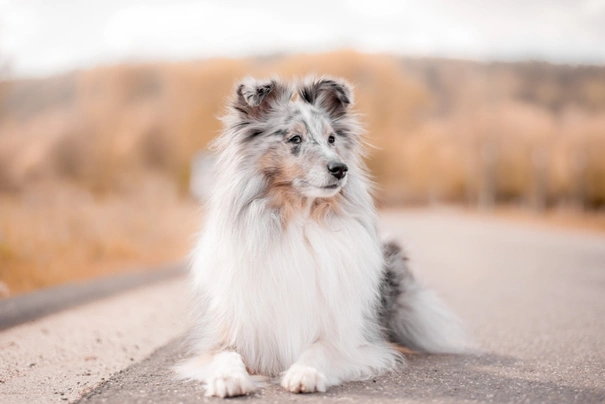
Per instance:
(241,124)
(255,99)
(254,133)
(307,128)
(341,132)
(409,314)
(280,132)
(307,94)
(396,275)
(240,110)
(328,95)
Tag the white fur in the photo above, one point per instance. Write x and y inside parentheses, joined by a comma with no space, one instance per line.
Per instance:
(298,299)
(425,324)
(305,300)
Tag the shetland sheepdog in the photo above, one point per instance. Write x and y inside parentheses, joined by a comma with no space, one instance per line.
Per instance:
(290,275)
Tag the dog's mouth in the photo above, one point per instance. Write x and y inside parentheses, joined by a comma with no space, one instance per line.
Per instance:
(335,185)
(332,187)
(323,191)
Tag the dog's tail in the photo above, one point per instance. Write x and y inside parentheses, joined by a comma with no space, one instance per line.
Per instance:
(413,316)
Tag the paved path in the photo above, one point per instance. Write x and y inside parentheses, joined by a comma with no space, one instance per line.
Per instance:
(532,297)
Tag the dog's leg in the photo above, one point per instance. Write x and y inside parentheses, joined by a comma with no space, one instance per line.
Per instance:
(308,373)
(226,376)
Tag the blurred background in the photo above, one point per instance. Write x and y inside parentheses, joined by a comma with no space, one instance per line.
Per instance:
(492,107)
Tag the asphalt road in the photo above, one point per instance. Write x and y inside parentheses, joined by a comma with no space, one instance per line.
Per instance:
(533,298)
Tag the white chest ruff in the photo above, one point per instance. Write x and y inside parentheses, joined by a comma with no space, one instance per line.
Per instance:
(271,301)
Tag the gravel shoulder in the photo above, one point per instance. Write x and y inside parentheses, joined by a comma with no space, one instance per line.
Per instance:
(63,356)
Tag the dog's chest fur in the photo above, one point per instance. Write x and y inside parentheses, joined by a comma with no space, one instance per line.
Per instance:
(317,281)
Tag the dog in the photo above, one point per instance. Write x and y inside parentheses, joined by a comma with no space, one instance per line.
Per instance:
(290,275)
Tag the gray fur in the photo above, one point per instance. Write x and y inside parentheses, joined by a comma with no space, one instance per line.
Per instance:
(331,95)
(410,314)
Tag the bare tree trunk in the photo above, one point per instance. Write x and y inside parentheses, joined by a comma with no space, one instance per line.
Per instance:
(539,159)
(487,173)
(470,191)
(579,165)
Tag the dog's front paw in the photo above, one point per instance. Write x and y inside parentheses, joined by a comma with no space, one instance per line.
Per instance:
(303,379)
(229,384)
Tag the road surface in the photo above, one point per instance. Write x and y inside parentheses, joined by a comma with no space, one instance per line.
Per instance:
(532,297)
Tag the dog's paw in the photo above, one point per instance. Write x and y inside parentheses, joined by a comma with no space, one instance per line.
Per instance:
(303,379)
(229,384)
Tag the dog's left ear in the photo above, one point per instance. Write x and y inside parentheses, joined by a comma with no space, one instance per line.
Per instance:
(332,95)
(256,98)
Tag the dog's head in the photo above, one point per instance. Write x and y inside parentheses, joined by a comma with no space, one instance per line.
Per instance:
(301,138)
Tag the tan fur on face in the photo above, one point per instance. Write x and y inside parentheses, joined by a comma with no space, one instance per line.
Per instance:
(324,207)
(284,198)
(280,192)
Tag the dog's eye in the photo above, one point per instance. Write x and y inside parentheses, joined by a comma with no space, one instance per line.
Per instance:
(331,139)
(295,139)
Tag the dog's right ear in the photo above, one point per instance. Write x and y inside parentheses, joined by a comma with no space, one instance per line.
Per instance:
(256,98)
(332,95)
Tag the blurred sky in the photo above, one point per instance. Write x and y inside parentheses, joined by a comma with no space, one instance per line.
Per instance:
(41,37)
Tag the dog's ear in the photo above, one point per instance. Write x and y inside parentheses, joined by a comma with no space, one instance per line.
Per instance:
(255,98)
(332,95)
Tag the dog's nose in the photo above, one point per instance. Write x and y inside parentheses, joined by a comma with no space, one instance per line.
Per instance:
(338,169)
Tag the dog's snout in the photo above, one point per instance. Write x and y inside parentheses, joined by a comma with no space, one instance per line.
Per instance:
(338,169)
